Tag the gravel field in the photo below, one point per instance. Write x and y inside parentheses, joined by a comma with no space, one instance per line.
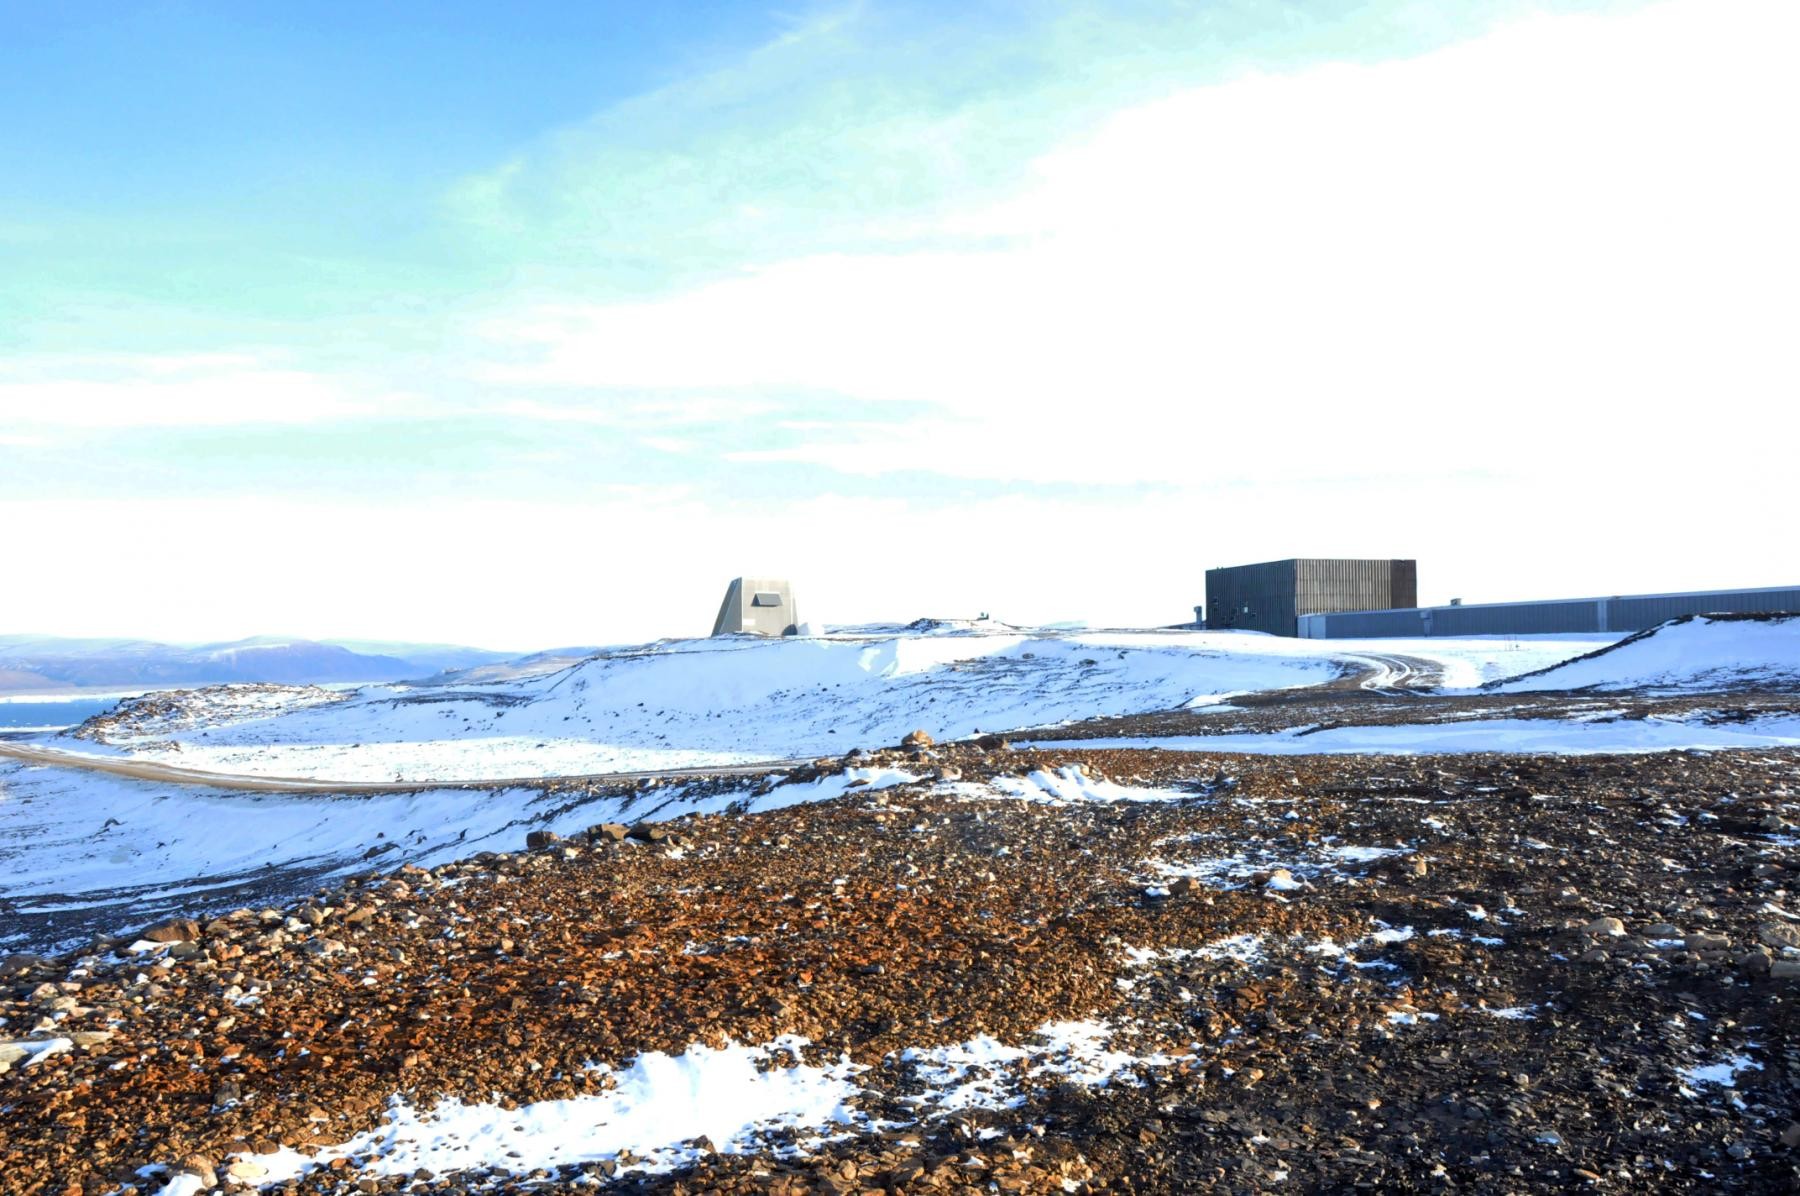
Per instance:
(1056,970)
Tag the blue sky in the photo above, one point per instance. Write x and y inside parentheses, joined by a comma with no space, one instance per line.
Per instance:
(1024,307)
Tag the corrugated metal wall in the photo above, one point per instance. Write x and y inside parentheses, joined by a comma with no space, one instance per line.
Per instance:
(1638,612)
(1252,598)
(1623,614)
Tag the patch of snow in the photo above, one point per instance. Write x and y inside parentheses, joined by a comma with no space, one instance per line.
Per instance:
(1243,947)
(1410,1017)
(983,1072)
(1722,1074)
(42,1049)
(1069,785)
(656,1105)
(851,780)
(1364,855)
(185,1184)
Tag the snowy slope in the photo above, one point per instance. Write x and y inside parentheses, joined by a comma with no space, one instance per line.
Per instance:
(681,703)
(1700,653)
(732,699)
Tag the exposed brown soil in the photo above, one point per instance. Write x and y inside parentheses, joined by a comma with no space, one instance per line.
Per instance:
(909,918)
(1321,708)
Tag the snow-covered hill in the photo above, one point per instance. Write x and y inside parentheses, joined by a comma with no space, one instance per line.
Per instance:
(1696,653)
(732,700)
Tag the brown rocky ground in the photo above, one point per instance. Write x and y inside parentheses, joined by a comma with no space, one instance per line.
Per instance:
(926,914)
(1328,707)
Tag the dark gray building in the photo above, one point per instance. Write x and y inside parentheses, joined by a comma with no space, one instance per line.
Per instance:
(1275,595)
(1618,613)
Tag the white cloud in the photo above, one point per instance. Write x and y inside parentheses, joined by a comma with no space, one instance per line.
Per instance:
(1561,246)
(177,391)
(1521,308)
(637,410)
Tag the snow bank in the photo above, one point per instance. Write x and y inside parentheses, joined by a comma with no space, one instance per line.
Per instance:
(1694,653)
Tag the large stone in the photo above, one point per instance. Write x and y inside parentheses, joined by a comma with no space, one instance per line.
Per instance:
(917,739)
(538,840)
(180,930)
(18,965)
(1599,927)
(1779,934)
(200,1166)
(612,831)
(245,1171)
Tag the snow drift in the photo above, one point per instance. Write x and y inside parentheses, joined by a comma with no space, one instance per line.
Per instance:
(1693,653)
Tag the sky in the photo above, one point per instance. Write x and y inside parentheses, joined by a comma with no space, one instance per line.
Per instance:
(534,324)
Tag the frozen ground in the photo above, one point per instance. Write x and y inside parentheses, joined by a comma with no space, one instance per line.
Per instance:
(685,703)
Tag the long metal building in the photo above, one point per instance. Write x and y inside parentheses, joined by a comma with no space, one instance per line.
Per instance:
(1618,613)
(1273,596)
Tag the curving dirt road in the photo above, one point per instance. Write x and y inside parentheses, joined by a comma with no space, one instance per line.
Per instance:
(1394,674)
(149,770)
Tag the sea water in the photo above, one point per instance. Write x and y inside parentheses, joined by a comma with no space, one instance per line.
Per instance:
(22,715)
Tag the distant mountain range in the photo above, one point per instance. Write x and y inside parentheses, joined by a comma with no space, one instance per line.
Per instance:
(41,664)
